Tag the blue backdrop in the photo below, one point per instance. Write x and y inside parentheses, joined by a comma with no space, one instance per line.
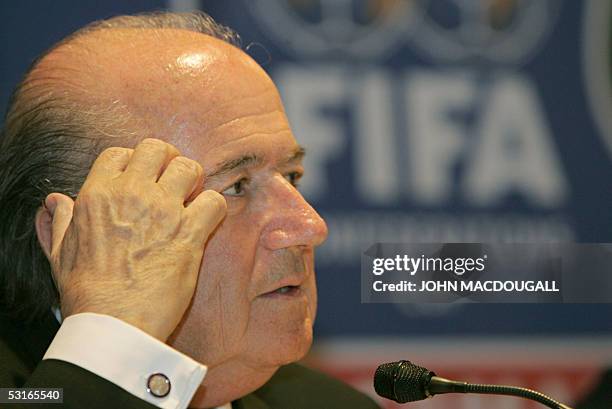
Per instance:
(425,121)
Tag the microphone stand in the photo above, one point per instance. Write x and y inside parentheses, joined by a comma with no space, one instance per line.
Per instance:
(442,385)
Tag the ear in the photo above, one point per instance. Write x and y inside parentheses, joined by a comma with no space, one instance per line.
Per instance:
(52,221)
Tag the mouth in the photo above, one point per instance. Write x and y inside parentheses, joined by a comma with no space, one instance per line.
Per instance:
(289,291)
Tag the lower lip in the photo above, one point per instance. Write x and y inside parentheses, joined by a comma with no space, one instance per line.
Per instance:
(293,292)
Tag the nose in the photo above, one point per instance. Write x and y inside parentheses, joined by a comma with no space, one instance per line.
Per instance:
(293,221)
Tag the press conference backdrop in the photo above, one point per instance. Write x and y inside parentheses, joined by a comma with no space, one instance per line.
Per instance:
(427,121)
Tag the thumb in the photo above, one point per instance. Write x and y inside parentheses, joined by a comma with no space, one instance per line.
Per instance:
(60,207)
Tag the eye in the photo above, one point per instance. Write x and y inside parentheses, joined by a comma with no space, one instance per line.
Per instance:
(293,178)
(237,189)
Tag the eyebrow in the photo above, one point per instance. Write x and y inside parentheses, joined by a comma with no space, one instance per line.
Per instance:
(252,159)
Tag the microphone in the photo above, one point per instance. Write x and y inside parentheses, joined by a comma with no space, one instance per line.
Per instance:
(404,381)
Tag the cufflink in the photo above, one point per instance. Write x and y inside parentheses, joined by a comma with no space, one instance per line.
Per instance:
(158,385)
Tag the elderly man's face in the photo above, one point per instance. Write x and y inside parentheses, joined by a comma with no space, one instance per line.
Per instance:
(256,295)
(255,300)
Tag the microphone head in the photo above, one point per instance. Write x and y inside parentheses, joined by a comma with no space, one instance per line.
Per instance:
(402,381)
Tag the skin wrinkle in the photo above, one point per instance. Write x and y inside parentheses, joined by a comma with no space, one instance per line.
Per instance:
(215,146)
(257,97)
(213,132)
(274,132)
(222,324)
(236,120)
(245,115)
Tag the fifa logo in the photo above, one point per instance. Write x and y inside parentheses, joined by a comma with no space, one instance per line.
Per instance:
(367,29)
(505,31)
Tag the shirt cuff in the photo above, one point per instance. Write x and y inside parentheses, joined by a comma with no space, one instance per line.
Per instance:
(126,356)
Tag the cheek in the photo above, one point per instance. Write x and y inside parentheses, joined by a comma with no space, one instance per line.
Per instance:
(216,322)
(229,257)
(226,271)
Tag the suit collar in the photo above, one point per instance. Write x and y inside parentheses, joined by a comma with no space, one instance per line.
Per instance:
(30,340)
(250,401)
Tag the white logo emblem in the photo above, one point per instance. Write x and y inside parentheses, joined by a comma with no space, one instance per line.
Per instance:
(357,29)
(503,31)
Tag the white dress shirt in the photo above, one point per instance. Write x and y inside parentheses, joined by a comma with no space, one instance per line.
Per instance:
(126,356)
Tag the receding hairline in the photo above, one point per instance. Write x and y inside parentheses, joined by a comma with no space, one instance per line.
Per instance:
(69,55)
(137,34)
(196,22)
(109,42)
(73,70)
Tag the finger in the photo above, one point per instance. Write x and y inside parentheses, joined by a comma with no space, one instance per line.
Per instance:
(204,214)
(181,177)
(109,164)
(149,159)
(60,207)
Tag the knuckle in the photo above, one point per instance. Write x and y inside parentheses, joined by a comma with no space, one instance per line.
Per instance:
(215,200)
(158,145)
(198,168)
(187,165)
(91,196)
(114,153)
(153,142)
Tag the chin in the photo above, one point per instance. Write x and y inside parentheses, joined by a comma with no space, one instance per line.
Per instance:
(281,345)
(298,348)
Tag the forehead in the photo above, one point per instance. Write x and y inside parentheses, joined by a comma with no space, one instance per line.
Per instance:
(231,108)
(197,92)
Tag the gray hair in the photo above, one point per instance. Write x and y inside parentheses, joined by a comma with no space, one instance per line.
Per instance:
(48,144)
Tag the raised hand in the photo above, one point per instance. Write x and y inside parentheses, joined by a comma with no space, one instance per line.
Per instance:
(131,244)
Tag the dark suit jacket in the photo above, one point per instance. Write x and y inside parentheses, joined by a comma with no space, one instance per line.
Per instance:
(23,346)
(601,396)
